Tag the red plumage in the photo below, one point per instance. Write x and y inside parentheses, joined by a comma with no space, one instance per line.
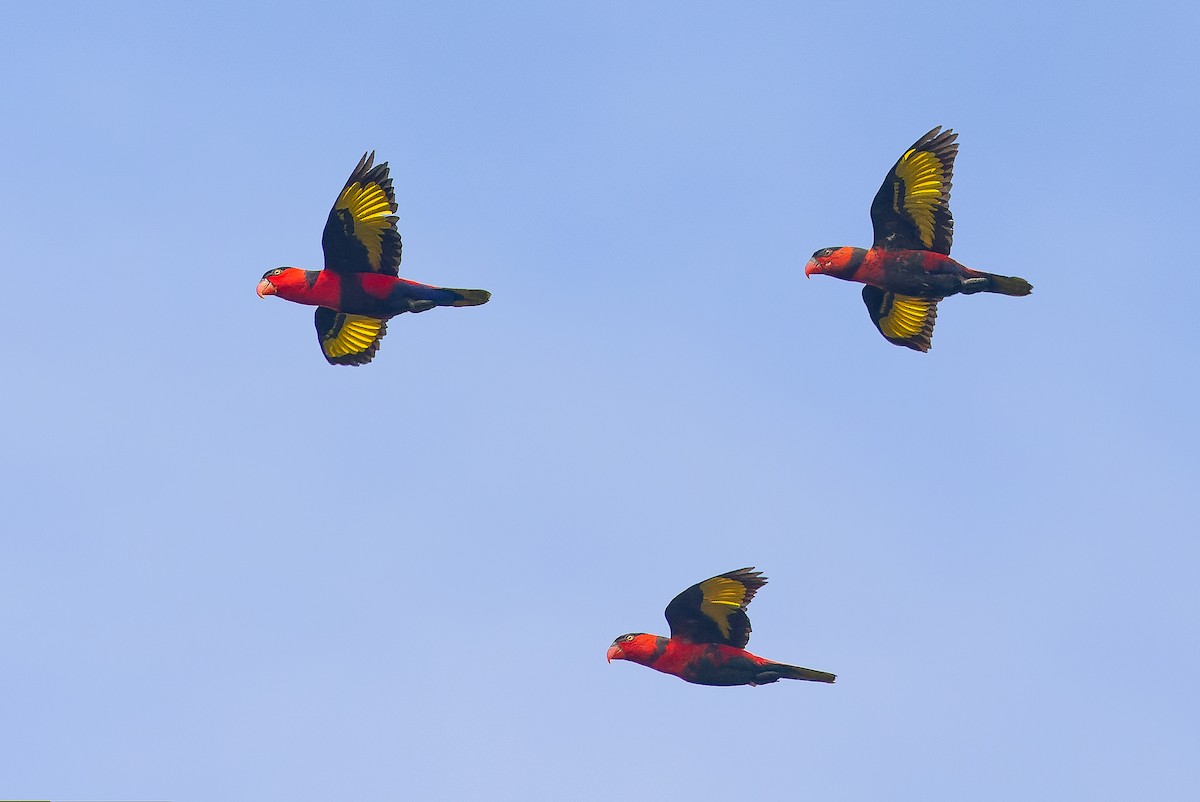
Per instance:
(709,629)
(360,288)
(908,269)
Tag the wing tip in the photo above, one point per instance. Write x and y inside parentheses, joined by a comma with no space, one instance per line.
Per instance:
(751,579)
(367,171)
(939,135)
(944,145)
(364,164)
(921,345)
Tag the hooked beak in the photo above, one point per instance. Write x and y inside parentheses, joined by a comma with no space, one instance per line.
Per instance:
(810,267)
(615,653)
(265,288)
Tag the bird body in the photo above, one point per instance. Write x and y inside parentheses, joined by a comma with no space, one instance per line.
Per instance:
(708,663)
(923,274)
(360,288)
(373,294)
(908,270)
(709,632)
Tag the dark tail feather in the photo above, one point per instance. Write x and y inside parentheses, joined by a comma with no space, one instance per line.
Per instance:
(470,297)
(796,672)
(1008,285)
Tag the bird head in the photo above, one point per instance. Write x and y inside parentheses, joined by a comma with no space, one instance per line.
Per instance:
(636,646)
(281,278)
(837,262)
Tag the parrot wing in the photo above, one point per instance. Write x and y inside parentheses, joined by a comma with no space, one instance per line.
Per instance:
(348,339)
(714,611)
(360,235)
(911,211)
(902,319)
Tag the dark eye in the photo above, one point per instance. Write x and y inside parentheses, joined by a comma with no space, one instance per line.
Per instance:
(277,271)
(627,638)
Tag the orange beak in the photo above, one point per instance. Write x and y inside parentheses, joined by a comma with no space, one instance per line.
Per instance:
(812,265)
(615,653)
(265,288)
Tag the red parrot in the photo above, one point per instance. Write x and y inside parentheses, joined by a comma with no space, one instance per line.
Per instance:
(360,287)
(709,632)
(909,269)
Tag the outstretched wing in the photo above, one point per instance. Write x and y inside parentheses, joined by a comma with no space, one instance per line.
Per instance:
(911,210)
(348,339)
(360,234)
(902,319)
(714,611)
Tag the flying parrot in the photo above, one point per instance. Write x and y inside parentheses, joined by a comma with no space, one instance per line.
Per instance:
(709,632)
(360,288)
(909,269)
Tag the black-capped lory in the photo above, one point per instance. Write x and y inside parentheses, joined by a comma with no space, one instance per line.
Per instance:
(360,288)
(909,270)
(709,632)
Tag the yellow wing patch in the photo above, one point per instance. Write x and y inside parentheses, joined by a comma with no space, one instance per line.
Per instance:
(923,183)
(371,211)
(721,598)
(907,317)
(349,339)
(902,319)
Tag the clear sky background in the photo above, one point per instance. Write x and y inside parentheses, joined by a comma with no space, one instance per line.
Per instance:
(229,571)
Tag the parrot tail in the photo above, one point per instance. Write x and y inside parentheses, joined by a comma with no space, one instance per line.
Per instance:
(796,672)
(1008,285)
(470,297)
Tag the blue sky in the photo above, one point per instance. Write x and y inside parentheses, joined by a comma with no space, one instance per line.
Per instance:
(231,571)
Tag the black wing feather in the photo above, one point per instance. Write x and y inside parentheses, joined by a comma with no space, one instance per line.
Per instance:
(895,227)
(369,244)
(690,622)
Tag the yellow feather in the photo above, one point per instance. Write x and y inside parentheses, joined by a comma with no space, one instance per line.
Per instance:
(720,598)
(369,208)
(356,335)
(923,178)
(906,318)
